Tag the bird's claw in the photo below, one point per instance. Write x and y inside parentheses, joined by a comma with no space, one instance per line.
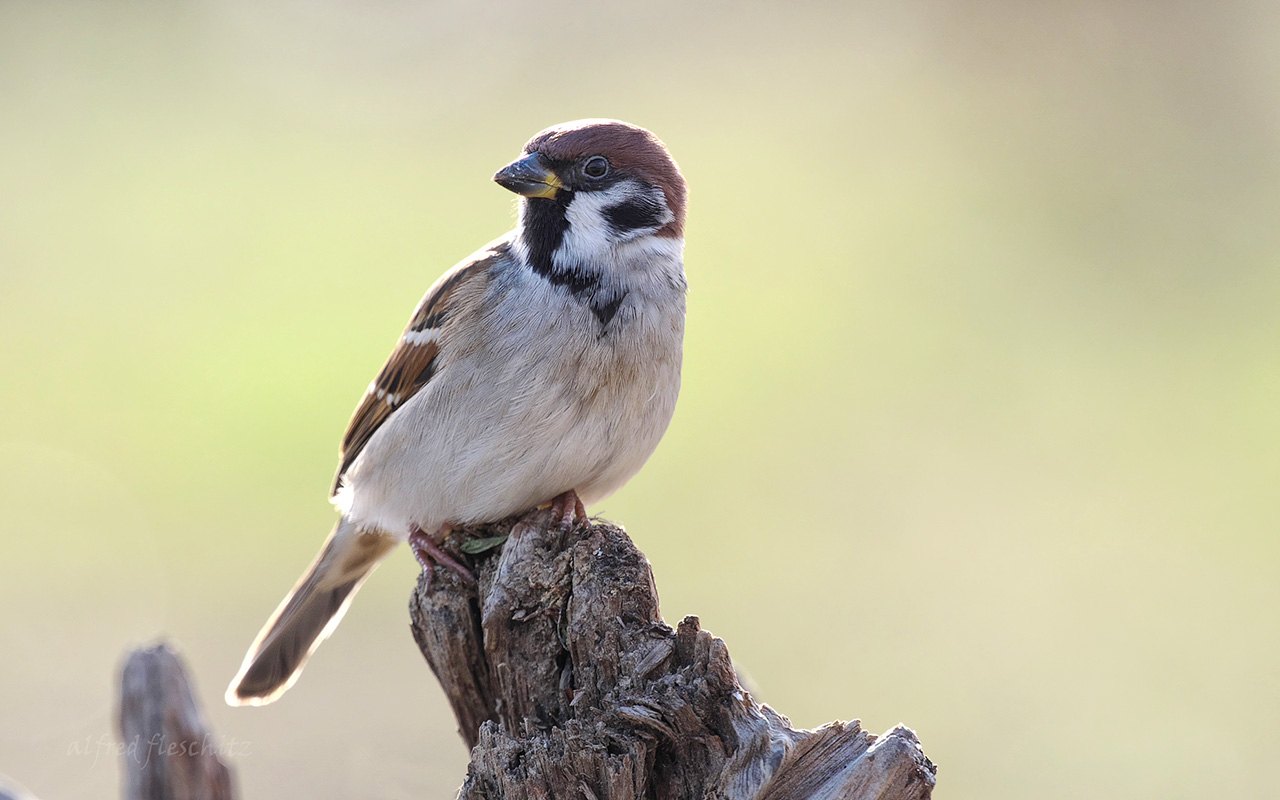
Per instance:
(567,510)
(429,554)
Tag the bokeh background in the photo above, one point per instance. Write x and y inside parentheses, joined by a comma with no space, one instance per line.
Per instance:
(980,422)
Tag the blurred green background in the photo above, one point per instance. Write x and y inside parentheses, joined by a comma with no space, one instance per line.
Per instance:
(979,429)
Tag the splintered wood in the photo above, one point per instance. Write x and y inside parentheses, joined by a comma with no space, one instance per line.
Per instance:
(566,683)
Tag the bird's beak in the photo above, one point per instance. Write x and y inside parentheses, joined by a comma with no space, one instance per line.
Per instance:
(529,177)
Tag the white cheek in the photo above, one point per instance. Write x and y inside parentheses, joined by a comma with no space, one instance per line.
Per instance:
(590,235)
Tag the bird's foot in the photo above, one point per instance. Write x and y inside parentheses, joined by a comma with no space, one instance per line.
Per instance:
(568,510)
(429,554)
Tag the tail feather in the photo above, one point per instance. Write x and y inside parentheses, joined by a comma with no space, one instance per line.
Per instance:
(308,614)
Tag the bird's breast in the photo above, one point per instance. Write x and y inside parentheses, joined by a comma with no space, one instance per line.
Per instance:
(533,398)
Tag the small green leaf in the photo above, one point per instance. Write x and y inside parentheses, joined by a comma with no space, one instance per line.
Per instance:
(474,546)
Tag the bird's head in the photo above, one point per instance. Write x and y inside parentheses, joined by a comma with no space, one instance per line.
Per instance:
(603,181)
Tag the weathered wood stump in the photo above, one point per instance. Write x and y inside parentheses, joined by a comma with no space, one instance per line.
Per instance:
(167,747)
(566,683)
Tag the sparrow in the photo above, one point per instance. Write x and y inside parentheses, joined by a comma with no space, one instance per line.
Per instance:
(544,368)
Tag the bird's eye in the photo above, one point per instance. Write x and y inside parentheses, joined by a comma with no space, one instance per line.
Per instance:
(596,167)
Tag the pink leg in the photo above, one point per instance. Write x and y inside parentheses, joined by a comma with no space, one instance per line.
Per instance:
(568,509)
(429,554)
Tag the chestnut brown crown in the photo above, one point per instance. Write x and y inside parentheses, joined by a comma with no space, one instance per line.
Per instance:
(631,151)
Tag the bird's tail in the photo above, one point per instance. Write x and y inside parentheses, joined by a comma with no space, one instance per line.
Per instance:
(308,614)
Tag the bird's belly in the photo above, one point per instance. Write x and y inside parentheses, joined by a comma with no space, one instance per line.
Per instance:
(508,429)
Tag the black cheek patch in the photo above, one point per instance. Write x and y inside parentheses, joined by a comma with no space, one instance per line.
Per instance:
(635,213)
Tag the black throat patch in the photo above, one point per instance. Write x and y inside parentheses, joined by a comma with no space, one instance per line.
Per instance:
(545,224)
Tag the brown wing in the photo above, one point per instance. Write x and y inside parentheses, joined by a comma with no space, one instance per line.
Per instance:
(414,359)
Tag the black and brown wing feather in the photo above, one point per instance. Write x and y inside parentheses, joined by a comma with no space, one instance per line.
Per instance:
(416,355)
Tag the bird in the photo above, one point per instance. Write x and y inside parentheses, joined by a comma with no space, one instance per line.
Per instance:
(544,368)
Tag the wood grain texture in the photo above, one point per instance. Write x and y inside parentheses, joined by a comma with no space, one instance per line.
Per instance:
(169,751)
(566,683)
